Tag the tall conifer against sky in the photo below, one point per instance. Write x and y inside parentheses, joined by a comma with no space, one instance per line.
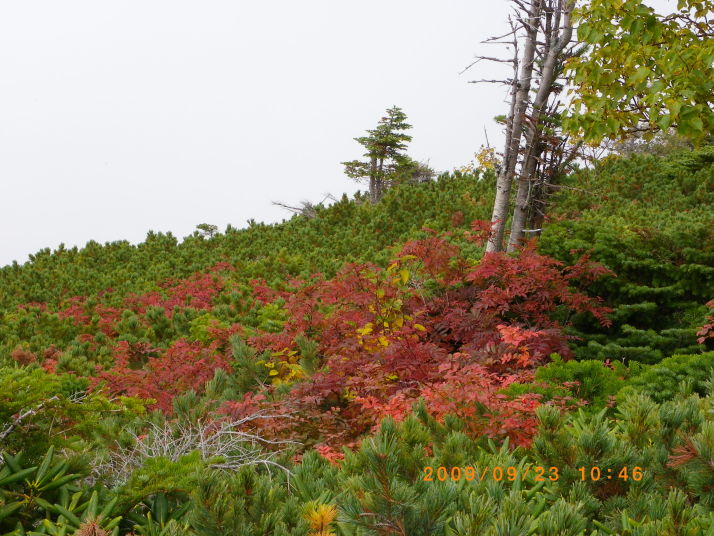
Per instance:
(385,154)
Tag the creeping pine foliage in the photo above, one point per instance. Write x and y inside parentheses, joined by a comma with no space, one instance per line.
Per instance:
(297,379)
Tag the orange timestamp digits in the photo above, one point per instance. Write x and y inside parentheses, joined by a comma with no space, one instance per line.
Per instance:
(497,473)
(593,474)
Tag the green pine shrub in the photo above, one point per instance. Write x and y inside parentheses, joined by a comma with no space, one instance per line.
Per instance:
(677,374)
(649,219)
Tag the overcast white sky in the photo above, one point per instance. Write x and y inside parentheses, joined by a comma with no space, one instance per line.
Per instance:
(119,117)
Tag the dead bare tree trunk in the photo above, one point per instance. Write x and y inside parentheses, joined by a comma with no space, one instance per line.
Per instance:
(545,29)
(22,415)
(519,105)
(557,39)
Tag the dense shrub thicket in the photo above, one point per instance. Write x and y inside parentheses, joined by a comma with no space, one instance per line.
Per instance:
(350,230)
(301,378)
(651,220)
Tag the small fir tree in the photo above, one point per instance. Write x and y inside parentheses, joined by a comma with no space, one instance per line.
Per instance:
(386,160)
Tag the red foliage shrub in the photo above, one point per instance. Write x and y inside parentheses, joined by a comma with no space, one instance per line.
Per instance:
(469,391)
(385,341)
(330,454)
(108,318)
(142,371)
(196,291)
(23,356)
(76,310)
(707,330)
(430,326)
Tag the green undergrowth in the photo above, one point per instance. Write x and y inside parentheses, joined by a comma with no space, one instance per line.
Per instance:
(584,474)
(600,385)
(650,219)
(349,230)
(624,435)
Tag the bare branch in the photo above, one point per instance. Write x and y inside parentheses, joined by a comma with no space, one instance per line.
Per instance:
(489,58)
(492,39)
(18,418)
(307,208)
(486,58)
(226,441)
(508,82)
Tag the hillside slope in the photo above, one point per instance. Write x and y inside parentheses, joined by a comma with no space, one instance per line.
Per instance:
(370,371)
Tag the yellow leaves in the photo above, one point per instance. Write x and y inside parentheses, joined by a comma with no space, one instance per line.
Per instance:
(319,517)
(419,327)
(285,370)
(399,275)
(387,318)
(486,157)
(289,372)
(364,333)
(366,330)
(285,352)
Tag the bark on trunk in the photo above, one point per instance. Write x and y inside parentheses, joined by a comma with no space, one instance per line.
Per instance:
(373,185)
(556,169)
(520,210)
(519,107)
(557,42)
(380,187)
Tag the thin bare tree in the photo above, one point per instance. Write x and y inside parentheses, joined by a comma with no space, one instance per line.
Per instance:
(541,32)
(557,32)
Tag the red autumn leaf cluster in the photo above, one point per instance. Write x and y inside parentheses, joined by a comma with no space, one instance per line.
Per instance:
(707,330)
(432,327)
(143,371)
